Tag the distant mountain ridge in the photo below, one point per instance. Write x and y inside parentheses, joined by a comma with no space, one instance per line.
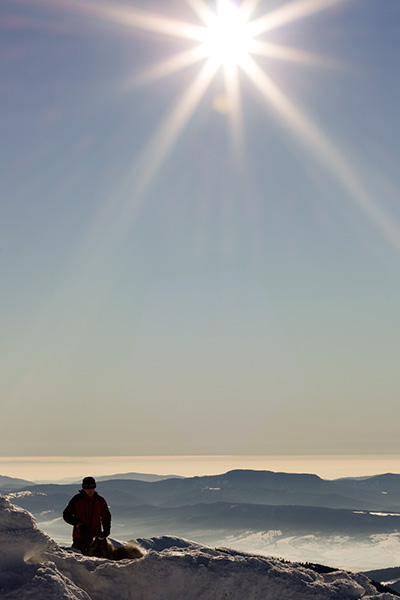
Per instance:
(376,493)
(134,476)
(9,484)
(380,492)
(138,477)
(388,577)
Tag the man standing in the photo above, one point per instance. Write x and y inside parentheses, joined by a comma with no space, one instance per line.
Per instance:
(88,513)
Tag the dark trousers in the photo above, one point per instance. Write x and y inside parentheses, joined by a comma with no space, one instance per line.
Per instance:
(82,544)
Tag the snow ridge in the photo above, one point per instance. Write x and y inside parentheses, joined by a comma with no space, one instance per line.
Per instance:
(33,566)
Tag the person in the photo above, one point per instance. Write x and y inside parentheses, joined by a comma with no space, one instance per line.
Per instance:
(89,514)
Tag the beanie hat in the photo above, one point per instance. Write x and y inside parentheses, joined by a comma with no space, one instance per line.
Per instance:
(88,483)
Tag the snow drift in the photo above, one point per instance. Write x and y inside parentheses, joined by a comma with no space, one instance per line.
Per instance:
(33,566)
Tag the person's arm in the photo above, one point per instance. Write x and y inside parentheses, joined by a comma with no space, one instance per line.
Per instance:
(69,515)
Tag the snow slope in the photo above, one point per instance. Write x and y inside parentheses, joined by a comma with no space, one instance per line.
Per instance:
(32,566)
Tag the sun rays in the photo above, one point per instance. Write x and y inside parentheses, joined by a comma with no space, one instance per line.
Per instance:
(224,37)
(227,42)
(224,41)
(230,41)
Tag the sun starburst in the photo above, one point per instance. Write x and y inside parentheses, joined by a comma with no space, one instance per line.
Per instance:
(228,38)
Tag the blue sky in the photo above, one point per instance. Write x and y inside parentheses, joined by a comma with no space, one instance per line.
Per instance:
(201,292)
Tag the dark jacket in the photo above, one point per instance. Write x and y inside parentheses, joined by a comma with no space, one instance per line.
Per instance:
(91,511)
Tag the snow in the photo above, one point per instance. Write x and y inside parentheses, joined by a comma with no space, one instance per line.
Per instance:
(33,566)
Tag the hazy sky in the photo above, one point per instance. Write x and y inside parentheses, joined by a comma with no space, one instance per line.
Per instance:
(198,260)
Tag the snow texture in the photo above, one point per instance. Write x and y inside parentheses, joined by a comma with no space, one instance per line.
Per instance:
(32,566)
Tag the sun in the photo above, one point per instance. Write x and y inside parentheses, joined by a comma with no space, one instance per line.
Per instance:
(233,39)
(227,39)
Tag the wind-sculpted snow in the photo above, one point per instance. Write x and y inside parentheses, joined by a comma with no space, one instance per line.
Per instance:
(20,539)
(25,572)
(32,566)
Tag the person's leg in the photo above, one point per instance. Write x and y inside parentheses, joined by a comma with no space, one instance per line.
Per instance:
(77,544)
